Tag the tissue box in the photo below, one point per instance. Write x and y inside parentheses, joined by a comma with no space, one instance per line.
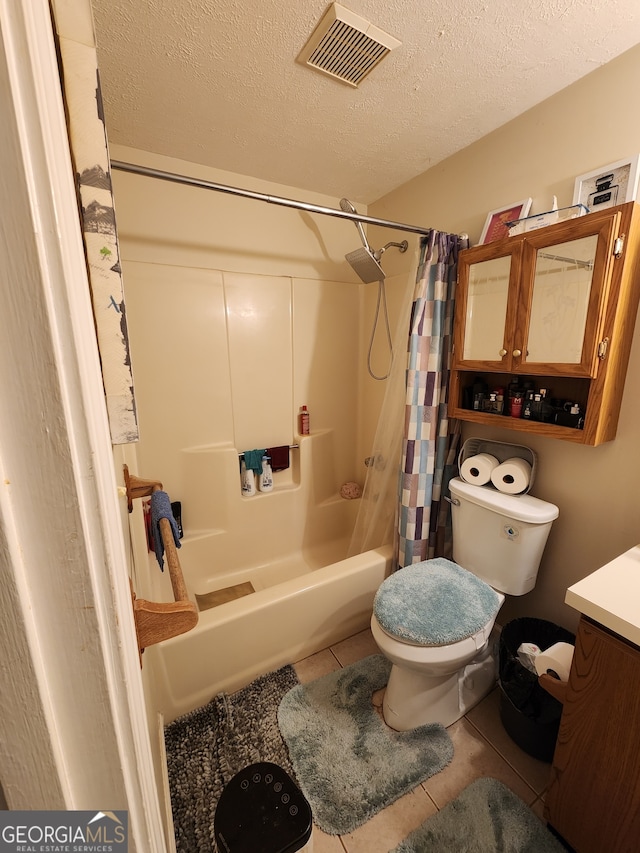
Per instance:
(530,223)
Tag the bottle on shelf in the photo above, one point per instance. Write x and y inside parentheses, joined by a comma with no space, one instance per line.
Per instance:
(527,411)
(247,480)
(479,393)
(515,399)
(265,480)
(515,404)
(547,411)
(303,421)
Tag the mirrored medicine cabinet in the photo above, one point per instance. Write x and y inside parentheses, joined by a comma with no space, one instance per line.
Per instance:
(547,317)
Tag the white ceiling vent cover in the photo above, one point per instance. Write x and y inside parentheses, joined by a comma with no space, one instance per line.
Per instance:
(346,46)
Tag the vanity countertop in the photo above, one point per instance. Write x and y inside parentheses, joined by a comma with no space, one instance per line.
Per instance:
(611,595)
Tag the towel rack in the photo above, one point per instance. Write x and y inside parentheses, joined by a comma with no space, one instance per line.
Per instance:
(291,447)
(158,620)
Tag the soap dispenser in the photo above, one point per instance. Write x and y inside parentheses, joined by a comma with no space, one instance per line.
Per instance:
(265,480)
(247,480)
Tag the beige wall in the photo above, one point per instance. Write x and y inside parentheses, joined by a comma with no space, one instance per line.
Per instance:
(590,124)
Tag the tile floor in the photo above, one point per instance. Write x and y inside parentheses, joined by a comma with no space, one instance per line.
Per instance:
(481,748)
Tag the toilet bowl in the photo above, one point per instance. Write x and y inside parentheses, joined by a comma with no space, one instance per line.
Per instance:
(440,667)
(434,620)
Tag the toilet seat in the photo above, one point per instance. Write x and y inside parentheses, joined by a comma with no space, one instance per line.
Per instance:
(436,658)
(435,603)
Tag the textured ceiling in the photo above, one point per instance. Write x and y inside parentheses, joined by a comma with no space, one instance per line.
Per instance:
(216,82)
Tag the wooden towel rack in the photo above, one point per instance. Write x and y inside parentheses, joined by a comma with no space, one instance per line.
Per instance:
(157,620)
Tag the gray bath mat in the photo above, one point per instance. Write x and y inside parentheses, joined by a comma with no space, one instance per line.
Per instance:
(348,763)
(485,817)
(208,746)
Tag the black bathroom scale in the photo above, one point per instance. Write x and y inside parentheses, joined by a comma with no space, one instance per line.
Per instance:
(262,809)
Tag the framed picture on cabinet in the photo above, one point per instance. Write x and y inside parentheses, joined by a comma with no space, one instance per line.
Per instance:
(495,228)
(609,185)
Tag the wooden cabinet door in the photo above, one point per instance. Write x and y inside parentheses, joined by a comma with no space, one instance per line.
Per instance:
(565,284)
(594,794)
(486,302)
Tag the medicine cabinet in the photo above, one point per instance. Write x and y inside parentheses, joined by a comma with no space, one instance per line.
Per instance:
(550,311)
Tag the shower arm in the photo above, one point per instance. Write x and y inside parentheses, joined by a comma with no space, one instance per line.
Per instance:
(271,199)
(380,252)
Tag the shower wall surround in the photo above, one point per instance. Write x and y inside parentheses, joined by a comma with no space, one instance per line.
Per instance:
(236,355)
(238,315)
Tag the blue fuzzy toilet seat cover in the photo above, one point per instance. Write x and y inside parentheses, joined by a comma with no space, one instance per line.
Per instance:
(434,603)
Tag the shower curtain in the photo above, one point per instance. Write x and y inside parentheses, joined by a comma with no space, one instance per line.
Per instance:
(379,512)
(431,441)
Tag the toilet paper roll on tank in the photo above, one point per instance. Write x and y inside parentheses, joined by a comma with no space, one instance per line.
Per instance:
(477,469)
(512,477)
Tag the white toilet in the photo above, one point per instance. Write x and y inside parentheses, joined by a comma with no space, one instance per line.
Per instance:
(433,620)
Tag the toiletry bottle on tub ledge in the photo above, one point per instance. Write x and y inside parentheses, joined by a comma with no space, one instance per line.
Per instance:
(248,480)
(265,480)
(303,419)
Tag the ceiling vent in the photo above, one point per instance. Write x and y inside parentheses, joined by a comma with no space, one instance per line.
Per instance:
(346,46)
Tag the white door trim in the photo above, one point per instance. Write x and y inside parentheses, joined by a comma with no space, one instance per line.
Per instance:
(73,726)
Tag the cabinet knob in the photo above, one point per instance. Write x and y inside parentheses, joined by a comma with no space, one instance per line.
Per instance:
(517,352)
(502,353)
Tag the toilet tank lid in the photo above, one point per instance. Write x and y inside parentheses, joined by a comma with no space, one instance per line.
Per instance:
(519,507)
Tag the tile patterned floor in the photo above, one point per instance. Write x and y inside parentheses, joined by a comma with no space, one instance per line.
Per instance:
(482,748)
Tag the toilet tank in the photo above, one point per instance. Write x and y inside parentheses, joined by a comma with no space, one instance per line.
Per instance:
(498,537)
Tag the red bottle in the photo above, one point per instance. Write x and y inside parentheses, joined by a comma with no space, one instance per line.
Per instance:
(303,419)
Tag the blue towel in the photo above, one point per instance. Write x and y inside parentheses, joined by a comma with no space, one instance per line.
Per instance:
(161,508)
(253,460)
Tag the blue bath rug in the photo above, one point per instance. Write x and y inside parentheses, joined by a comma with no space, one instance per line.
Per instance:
(484,818)
(349,764)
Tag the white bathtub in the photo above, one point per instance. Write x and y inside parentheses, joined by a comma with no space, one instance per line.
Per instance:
(235,642)
(290,544)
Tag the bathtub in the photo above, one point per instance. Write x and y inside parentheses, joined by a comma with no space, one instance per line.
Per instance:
(290,544)
(237,641)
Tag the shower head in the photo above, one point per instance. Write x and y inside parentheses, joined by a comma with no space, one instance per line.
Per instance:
(362,260)
(366,265)
(365,261)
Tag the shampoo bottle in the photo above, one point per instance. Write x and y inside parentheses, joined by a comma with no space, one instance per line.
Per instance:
(247,480)
(265,480)
(303,418)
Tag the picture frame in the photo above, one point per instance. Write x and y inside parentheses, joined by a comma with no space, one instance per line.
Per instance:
(609,185)
(495,227)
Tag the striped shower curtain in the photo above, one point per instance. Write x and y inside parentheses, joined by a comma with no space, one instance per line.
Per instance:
(431,440)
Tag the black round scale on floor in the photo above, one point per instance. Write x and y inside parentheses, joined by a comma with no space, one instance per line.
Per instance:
(262,808)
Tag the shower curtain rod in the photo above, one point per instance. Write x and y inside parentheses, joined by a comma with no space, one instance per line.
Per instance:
(271,199)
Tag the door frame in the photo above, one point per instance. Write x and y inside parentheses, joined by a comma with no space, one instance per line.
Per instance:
(73,722)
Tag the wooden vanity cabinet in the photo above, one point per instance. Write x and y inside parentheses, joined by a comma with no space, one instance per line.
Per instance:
(593,800)
(557,307)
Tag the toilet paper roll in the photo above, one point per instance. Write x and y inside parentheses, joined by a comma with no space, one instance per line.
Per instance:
(556,660)
(477,469)
(512,476)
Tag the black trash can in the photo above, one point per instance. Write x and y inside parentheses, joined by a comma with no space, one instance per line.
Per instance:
(262,808)
(530,715)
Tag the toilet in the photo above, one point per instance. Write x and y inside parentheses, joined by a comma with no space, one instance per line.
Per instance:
(433,620)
